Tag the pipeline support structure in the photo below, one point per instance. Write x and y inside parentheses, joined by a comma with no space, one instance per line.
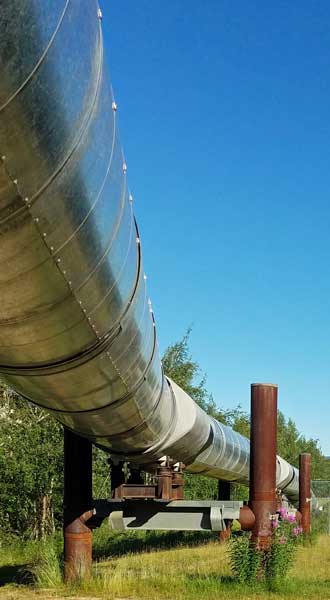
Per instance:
(77,328)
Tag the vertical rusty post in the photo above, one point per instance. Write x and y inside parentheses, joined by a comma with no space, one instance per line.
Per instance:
(77,507)
(224,491)
(164,482)
(178,482)
(305,491)
(263,460)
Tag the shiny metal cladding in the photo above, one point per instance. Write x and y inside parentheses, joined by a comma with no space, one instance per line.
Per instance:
(77,332)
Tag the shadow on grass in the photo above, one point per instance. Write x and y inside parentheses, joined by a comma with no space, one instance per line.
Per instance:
(147,541)
(15,574)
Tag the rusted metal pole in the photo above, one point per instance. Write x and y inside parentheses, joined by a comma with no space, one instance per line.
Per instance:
(178,482)
(77,507)
(305,491)
(164,485)
(263,460)
(224,490)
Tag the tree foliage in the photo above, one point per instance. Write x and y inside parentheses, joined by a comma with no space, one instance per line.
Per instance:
(31,459)
(31,467)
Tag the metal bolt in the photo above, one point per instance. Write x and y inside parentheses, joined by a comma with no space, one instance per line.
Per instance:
(130,198)
(99,13)
(44,235)
(58,260)
(15,182)
(124,167)
(36,220)
(138,241)
(3,157)
(114,106)
(51,248)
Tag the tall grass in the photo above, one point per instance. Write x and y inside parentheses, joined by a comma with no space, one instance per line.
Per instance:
(177,569)
(46,571)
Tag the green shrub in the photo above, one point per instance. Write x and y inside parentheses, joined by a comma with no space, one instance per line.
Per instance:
(250,564)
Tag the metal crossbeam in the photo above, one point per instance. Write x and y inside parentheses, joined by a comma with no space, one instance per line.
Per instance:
(176,515)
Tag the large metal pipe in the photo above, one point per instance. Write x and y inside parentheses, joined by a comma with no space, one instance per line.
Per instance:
(77,332)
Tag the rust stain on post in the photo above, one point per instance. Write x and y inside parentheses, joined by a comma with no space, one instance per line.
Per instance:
(78,549)
(305,491)
(263,460)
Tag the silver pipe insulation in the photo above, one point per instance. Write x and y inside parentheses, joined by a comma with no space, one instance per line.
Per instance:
(77,332)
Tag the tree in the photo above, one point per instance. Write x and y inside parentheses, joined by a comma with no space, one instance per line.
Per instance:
(31,467)
(31,459)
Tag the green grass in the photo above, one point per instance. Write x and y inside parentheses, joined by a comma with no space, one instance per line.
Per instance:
(155,566)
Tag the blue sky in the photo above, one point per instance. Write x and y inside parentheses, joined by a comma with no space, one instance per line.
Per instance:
(224,119)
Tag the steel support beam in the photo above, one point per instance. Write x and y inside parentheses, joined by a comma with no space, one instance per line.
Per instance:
(305,491)
(263,460)
(175,515)
(77,507)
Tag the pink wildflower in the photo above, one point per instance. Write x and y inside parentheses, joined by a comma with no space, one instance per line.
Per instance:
(275,524)
(282,539)
(283,513)
(291,518)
